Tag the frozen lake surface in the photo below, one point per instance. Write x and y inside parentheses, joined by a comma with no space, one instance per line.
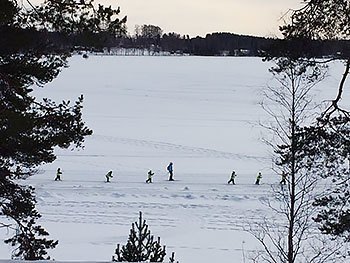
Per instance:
(202,114)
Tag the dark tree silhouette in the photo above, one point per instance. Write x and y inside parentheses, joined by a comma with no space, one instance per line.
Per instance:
(329,20)
(321,147)
(33,50)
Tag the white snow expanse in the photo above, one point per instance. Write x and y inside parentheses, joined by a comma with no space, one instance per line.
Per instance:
(202,114)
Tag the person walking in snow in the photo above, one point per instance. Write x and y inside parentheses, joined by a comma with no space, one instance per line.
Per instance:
(232,178)
(58,174)
(170,170)
(149,176)
(258,178)
(283,178)
(109,176)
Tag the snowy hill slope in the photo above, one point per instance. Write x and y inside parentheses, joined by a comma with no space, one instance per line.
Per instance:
(200,113)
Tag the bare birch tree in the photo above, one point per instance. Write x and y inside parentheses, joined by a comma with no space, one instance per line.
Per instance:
(292,236)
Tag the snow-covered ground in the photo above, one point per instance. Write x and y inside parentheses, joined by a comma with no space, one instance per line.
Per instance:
(202,114)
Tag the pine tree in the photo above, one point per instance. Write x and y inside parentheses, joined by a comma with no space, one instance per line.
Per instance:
(33,51)
(327,145)
(140,246)
(327,142)
(18,202)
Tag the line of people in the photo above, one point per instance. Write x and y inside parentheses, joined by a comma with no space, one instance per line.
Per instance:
(233,177)
(170,170)
(109,175)
(258,178)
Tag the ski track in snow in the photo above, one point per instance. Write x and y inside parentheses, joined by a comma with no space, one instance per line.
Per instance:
(86,203)
(191,151)
(170,208)
(188,151)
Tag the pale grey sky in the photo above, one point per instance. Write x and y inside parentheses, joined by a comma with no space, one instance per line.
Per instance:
(198,17)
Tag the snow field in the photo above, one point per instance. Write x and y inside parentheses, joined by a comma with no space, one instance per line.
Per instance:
(201,113)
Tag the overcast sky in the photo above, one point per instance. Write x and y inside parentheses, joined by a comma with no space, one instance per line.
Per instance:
(198,17)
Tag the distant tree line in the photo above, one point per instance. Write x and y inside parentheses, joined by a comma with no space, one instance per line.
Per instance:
(152,38)
(227,44)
